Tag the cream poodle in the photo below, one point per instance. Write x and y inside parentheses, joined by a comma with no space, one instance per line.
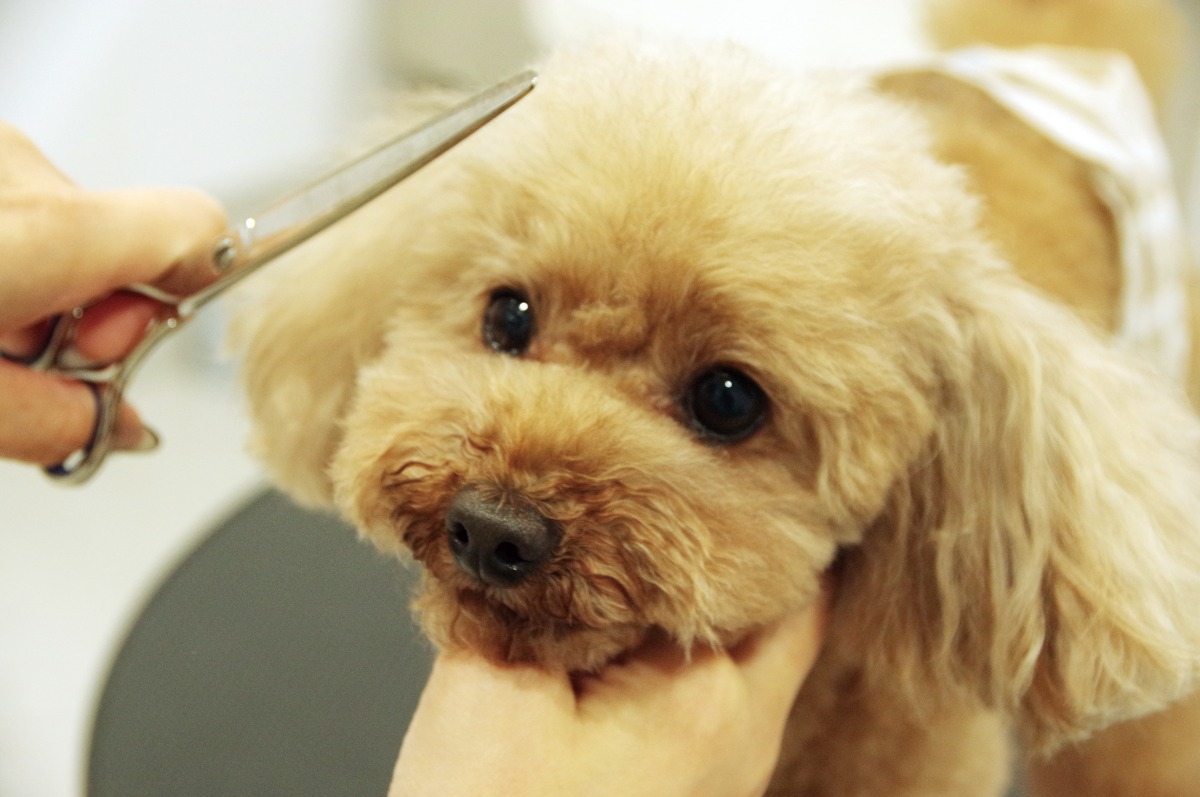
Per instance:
(683,331)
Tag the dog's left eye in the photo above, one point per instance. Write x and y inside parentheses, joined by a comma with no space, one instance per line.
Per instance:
(725,405)
(508,323)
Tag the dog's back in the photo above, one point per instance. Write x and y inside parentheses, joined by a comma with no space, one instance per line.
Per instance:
(1046,208)
(1044,211)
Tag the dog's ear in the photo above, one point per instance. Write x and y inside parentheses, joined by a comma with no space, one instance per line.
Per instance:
(1045,552)
(314,321)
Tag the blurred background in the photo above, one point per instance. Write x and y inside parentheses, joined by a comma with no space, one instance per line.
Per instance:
(245,100)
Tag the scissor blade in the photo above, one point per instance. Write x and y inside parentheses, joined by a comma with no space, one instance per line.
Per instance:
(302,215)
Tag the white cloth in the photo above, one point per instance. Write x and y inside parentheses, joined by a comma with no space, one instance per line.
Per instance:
(1092,104)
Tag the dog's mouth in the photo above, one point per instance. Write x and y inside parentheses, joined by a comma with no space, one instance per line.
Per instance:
(503,627)
(550,574)
(509,581)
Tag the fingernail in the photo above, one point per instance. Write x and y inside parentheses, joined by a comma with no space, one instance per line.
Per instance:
(147,440)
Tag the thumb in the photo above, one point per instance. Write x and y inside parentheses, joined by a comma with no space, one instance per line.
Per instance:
(775,662)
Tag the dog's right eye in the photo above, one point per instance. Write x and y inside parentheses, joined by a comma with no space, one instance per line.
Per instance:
(508,323)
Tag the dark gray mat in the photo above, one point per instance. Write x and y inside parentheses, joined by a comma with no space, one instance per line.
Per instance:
(278,659)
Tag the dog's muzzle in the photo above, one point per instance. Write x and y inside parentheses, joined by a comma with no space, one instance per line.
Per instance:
(498,544)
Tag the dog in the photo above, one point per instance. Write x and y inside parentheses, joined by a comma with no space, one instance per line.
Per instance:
(684,331)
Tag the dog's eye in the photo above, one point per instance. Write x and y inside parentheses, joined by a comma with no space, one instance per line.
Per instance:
(508,323)
(726,405)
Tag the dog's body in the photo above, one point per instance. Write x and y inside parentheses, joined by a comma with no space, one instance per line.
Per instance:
(680,328)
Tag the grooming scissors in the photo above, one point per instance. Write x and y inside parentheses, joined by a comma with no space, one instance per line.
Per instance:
(248,246)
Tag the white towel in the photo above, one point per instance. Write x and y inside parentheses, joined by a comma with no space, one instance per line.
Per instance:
(1092,104)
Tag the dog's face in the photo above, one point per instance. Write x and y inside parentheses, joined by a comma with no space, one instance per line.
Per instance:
(649,349)
(617,390)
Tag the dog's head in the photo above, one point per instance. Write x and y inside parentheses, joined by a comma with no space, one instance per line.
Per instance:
(651,348)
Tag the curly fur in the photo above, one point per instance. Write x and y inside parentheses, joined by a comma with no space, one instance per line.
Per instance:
(1012,505)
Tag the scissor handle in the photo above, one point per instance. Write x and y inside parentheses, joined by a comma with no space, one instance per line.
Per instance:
(79,466)
(107,384)
(59,334)
(48,357)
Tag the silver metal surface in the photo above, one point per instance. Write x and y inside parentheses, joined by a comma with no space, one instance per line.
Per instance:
(294,219)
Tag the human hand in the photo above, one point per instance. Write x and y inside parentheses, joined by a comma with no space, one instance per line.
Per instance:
(654,724)
(65,247)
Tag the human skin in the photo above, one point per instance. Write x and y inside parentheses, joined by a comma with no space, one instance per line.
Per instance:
(65,246)
(657,722)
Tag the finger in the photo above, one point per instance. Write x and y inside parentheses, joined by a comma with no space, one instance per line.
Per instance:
(112,327)
(25,344)
(170,240)
(776,661)
(658,681)
(501,708)
(67,247)
(656,657)
(497,688)
(44,418)
(24,163)
(108,331)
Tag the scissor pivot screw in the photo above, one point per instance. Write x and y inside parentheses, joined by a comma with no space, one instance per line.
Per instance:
(225,254)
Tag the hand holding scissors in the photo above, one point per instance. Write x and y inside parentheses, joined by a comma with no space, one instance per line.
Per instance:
(237,253)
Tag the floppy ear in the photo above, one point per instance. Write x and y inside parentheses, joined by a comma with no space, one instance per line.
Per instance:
(1045,552)
(316,320)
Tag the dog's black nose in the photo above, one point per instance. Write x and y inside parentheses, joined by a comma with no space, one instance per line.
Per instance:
(499,544)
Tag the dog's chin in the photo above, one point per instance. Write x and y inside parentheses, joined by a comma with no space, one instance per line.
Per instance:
(468,618)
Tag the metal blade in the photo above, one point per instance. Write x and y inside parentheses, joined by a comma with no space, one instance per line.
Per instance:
(302,215)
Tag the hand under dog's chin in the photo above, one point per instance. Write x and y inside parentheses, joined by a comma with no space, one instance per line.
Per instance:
(467,618)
